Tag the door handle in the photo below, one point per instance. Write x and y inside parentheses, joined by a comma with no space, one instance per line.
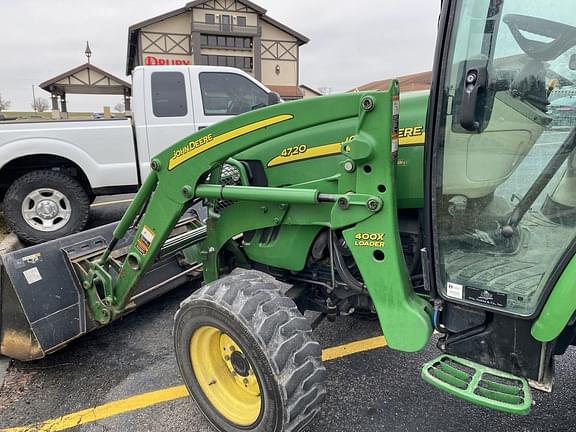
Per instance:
(474,92)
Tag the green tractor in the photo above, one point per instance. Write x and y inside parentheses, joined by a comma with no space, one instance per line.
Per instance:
(335,205)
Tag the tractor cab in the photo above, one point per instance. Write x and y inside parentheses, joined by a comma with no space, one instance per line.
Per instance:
(501,201)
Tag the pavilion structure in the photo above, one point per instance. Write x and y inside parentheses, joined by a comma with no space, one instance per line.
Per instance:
(84,79)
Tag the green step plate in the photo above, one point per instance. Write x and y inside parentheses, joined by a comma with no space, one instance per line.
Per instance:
(479,384)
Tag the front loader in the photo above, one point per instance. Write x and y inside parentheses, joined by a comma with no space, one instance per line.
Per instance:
(321,205)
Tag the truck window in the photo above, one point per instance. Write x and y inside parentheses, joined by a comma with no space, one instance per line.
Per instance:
(169,94)
(229,93)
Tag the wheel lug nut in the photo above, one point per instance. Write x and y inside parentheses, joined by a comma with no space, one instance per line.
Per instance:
(245,381)
(227,358)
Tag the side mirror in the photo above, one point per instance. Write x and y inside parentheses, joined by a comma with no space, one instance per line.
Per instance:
(274,98)
(572,62)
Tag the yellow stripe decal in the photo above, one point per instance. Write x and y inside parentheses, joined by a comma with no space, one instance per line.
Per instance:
(413,140)
(145,400)
(309,153)
(194,148)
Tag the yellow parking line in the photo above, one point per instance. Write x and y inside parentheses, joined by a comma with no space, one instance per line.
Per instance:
(102,204)
(144,400)
(107,410)
(353,348)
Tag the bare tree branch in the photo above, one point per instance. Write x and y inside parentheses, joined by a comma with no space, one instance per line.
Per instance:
(4,103)
(40,104)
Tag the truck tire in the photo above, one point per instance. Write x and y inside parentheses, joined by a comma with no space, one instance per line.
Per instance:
(45,205)
(247,356)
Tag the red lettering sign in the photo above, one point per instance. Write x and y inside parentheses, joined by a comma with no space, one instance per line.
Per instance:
(157,61)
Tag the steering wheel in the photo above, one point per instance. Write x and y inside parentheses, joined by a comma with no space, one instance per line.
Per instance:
(238,106)
(563,36)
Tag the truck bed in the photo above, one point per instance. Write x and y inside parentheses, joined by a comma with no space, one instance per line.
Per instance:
(103,148)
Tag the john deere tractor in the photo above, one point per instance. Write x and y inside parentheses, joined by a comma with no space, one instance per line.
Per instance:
(334,205)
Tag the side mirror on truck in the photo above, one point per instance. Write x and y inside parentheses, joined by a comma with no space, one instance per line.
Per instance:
(274,98)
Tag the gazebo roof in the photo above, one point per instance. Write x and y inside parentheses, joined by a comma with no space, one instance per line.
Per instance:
(87,79)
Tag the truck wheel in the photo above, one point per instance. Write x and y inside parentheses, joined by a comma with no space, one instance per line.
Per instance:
(45,205)
(247,356)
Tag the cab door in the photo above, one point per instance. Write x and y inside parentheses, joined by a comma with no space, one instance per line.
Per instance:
(501,170)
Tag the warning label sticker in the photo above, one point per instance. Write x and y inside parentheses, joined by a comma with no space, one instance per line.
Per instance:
(145,240)
(32,275)
(454,290)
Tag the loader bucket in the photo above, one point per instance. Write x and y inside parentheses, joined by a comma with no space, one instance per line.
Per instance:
(42,304)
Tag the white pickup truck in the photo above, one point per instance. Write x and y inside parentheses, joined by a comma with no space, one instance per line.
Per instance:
(50,171)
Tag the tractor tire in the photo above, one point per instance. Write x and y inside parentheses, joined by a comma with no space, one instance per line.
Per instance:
(247,355)
(45,205)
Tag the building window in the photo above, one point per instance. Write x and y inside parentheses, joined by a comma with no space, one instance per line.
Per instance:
(241,21)
(225,22)
(230,42)
(209,18)
(229,93)
(245,63)
(169,94)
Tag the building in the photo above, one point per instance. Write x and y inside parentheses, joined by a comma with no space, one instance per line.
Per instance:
(234,33)
(414,82)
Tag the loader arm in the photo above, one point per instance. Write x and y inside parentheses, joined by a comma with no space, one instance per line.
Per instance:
(359,199)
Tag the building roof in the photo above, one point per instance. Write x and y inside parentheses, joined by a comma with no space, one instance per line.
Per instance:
(247,3)
(310,89)
(134,29)
(299,36)
(287,92)
(99,82)
(413,82)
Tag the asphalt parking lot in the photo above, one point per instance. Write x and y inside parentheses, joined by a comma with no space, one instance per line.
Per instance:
(124,377)
(374,390)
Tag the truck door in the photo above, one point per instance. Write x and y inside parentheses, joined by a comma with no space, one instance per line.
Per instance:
(501,163)
(169,109)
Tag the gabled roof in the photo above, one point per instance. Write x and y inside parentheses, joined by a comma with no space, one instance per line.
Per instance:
(99,82)
(246,3)
(301,38)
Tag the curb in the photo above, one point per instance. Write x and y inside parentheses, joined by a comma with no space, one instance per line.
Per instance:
(8,244)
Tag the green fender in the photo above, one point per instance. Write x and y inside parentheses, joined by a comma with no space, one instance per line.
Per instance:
(559,307)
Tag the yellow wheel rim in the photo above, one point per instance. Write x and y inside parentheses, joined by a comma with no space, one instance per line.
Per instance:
(225,375)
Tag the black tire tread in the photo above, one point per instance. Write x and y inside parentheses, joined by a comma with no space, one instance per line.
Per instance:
(11,213)
(285,336)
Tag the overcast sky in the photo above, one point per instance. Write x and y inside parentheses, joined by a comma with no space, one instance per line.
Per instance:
(351,42)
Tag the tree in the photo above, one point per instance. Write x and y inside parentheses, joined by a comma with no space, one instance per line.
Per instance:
(119,107)
(4,103)
(40,104)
